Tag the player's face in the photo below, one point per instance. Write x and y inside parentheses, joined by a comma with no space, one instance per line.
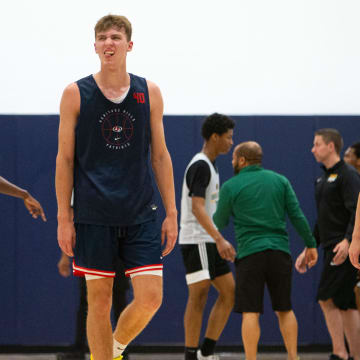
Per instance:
(112,45)
(350,157)
(320,149)
(225,142)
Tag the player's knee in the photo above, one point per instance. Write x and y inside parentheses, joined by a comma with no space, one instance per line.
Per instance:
(227,296)
(198,299)
(229,300)
(151,302)
(99,302)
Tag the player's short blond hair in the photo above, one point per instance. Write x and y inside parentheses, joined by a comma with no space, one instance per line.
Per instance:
(114,21)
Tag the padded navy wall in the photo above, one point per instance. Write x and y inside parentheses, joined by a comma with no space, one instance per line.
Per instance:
(38,306)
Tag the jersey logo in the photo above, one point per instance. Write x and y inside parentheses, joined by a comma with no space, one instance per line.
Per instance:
(214,197)
(139,97)
(332,178)
(117,128)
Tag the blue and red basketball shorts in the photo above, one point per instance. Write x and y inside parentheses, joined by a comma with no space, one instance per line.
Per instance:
(98,248)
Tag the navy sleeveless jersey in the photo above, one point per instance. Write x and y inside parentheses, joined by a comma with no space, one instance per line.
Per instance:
(112,183)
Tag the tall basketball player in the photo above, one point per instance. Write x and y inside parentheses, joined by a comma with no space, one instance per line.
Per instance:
(110,124)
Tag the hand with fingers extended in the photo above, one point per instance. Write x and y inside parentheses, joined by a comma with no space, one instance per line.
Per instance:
(225,249)
(311,257)
(34,207)
(341,251)
(306,260)
(300,264)
(169,233)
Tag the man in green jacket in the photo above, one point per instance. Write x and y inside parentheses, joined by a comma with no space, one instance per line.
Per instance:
(259,201)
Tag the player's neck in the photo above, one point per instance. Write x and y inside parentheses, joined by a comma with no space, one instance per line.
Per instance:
(111,78)
(210,151)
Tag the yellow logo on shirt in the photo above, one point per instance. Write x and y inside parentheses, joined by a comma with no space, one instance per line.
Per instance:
(332,177)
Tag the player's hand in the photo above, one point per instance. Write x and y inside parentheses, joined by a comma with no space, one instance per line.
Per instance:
(66,237)
(34,207)
(169,232)
(64,265)
(311,257)
(225,249)
(354,251)
(300,263)
(341,251)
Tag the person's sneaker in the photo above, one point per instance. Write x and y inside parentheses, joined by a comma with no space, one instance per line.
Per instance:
(210,357)
(70,356)
(335,357)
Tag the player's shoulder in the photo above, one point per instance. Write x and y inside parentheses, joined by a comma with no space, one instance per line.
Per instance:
(71,89)
(349,173)
(70,101)
(199,164)
(153,88)
(349,169)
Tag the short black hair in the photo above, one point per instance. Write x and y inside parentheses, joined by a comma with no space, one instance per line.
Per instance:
(216,124)
(356,148)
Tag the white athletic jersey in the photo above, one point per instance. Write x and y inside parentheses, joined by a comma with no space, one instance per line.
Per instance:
(191,232)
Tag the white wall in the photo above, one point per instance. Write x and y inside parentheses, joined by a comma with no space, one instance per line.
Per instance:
(231,56)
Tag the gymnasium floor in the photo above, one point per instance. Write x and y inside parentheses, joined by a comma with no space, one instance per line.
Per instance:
(224,356)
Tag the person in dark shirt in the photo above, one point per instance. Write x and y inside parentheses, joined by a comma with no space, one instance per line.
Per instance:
(31,204)
(336,192)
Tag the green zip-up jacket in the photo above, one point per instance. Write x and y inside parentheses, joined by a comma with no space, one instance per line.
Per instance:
(259,200)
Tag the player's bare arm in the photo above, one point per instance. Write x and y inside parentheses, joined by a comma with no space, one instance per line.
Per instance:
(226,250)
(162,167)
(64,178)
(354,250)
(31,204)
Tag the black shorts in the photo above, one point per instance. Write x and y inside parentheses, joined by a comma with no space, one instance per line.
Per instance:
(203,262)
(337,282)
(270,267)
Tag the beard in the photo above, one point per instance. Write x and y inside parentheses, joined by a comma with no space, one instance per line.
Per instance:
(236,169)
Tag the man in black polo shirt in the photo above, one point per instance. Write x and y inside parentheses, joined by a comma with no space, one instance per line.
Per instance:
(336,193)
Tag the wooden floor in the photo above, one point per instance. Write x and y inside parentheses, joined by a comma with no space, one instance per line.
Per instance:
(223,356)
